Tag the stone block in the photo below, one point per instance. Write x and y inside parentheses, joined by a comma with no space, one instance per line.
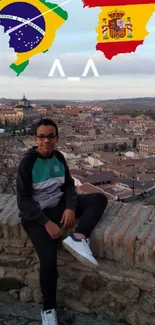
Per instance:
(14,231)
(32,280)
(68,275)
(145,231)
(36,268)
(11,280)
(26,294)
(11,251)
(92,299)
(15,261)
(136,274)
(5,232)
(60,262)
(80,267)
(91,282)
(23,234)
(76,305)
(26,251)
(29,244)
(147,303)
(136,316)
(65,256)
(37,297)
(2,272)
(15,293)
(1,248)
(17,243)
(71,291)
(121,233)
(132,233)
(128,291)
(111,276)
(142,285)
(112,227)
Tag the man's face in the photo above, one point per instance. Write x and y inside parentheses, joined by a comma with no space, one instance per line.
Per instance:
(46,139)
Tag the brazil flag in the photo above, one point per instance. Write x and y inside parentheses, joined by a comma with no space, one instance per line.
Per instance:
(32,26)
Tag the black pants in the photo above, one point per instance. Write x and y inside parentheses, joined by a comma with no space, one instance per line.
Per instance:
(90,208)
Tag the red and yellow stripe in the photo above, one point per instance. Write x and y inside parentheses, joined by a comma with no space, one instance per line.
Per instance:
(121,24)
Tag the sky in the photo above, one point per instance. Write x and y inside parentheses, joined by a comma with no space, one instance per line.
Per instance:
(125,76)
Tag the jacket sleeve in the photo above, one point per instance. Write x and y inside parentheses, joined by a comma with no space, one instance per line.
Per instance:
(29,209)
(69,188)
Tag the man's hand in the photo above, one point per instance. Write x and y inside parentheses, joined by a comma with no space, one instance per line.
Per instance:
(68,218)
(54,231)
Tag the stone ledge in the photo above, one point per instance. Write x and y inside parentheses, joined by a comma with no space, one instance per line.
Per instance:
(123,242)
(126,233)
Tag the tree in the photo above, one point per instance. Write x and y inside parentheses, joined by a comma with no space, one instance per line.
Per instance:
(134,144)
(23,121)
(6,123)
(124,146)
(24,131)
(13,131)
(1,124)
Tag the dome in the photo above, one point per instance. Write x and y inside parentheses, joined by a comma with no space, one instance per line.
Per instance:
(24,100)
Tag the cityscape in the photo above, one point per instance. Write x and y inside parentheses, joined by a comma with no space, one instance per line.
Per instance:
(109,146)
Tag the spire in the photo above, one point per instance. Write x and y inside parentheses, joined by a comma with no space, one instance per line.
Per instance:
(24,99)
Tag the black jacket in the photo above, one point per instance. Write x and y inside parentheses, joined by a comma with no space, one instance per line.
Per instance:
(41,182)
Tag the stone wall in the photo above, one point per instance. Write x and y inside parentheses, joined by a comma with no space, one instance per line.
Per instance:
(122,287)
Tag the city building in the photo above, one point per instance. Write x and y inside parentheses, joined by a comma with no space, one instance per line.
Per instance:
(28,111)
(11,117)
(147,147)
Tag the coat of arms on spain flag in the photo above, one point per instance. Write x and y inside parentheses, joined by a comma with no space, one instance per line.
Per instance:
(32,26)
(121,24)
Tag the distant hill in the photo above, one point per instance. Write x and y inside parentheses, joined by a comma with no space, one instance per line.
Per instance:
(127,103)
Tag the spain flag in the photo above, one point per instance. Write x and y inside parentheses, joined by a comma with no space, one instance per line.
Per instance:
(32,26)
(121,24)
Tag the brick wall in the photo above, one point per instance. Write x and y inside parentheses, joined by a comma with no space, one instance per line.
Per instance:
(124,244)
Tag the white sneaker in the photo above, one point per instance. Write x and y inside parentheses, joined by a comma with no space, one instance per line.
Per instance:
(81,250)
(49,317)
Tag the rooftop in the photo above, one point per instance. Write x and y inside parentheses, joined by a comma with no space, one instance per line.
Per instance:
(100,177)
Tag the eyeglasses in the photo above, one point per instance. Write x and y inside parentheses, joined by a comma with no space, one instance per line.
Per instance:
(50,137)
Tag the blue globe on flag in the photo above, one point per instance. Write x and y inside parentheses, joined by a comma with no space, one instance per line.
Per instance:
(25,25)
(31,26)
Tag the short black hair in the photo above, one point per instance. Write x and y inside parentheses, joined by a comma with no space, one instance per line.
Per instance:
(45,121)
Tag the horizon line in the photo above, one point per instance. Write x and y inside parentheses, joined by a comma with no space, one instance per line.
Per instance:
(87,100)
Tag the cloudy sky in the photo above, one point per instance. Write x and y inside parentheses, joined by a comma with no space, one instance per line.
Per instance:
(130,75)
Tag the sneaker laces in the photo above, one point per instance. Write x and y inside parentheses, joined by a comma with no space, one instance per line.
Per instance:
(51,317)
(86,243)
